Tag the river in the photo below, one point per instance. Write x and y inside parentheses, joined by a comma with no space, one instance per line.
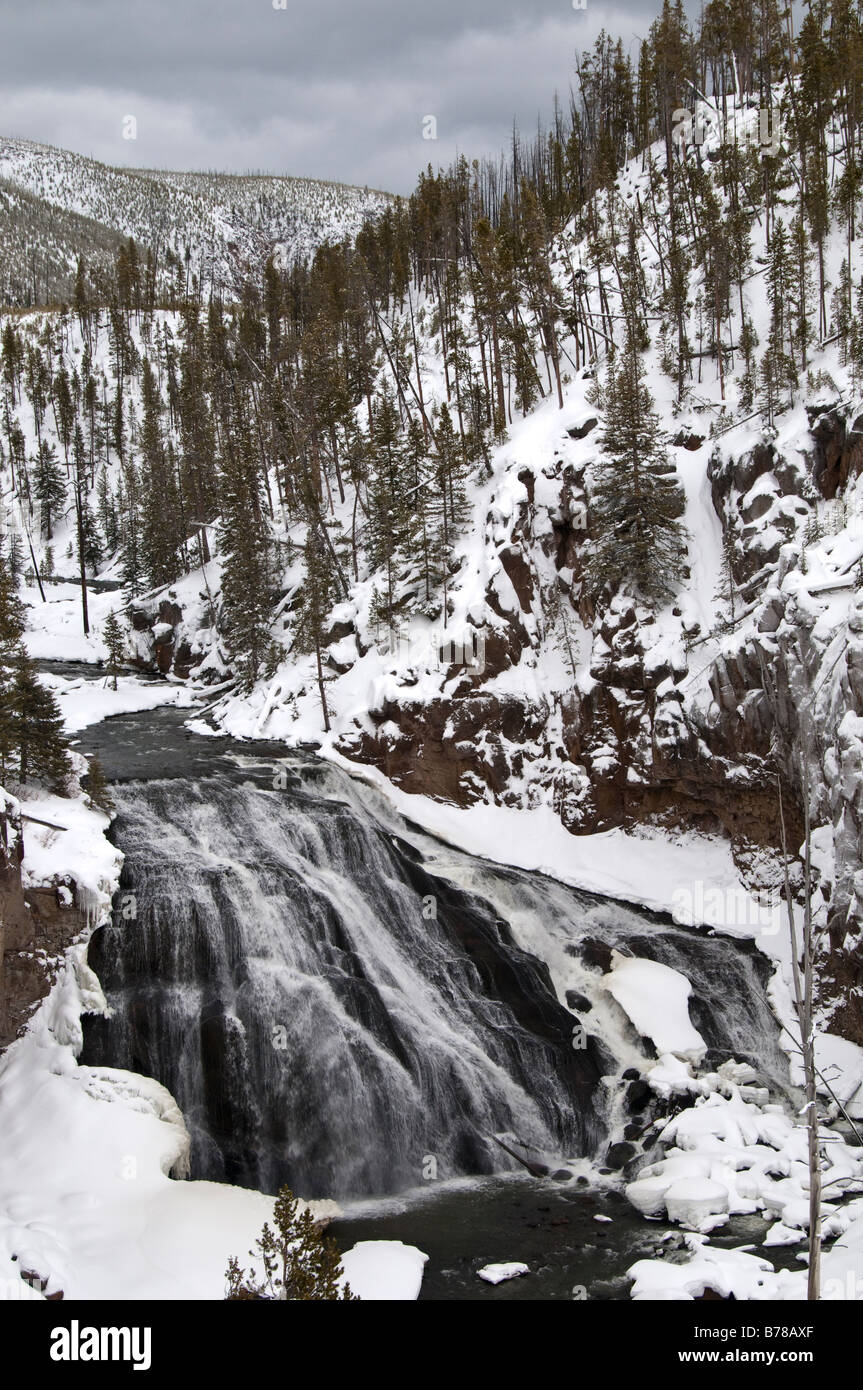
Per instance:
(341,1002)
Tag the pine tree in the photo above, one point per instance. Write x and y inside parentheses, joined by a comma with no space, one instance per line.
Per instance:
(108,518)
(95,783)
(639,543)
(81,521)
(38,726)
(161,530)
(247,566)
(129,509)
(46,567)
(320,591)
(16,558)
(115,642)
(49,486)
(11,612)
(389,508)
(299,1263)
(11,632)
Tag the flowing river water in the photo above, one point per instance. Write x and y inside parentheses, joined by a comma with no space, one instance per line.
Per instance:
(341,1002)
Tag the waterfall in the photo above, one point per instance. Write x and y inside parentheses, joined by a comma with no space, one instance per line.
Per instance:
(324,1011)
(337,1002)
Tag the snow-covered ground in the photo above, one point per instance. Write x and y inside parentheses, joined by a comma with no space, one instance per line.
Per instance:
(87,1196)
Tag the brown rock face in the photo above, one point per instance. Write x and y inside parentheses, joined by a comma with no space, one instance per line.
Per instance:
(169,651)
(452,750)
(36,928)
(838,452)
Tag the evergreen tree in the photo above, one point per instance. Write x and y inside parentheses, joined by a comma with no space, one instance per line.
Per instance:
(129,510)
(115,642)
(389,508)
(247,567)
(11,632)
(161,528)
(38,726)
(299,1263)
(320,591)
(16,558)
(95,783)
(49,486)
(46,568)
(639,543)
(11,614)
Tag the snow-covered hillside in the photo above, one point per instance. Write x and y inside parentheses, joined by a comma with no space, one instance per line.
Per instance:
(56,205)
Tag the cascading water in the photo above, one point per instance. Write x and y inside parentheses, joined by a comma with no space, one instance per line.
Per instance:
(335,999)
(324,1011)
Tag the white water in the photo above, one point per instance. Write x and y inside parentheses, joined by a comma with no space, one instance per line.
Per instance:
(283,977)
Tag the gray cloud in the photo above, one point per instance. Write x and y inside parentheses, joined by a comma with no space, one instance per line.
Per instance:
(327,88)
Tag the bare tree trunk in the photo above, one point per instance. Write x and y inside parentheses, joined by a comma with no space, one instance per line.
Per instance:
(803,1006)
(809,1064)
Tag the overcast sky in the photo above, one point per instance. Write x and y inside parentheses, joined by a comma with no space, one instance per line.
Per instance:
(329,88)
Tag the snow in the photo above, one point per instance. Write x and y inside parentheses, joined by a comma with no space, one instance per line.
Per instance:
(656,1000)
(55,629)
(500,1273)
(77,852)
(111,1218)
(698,1203)
(736,1153)
(653,870)
(732,1152)
(841,1062)
(384,1270)
(727,1272)
(213,214)
(84,702)
(742,1275)
(109,1221)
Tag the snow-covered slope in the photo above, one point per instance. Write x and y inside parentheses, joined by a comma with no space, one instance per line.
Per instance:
(56,205)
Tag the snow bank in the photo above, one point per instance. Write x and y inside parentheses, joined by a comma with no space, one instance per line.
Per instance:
(77,850)
(656,1000)
(87,1200)
(85,702)
(500,1273)
(384,1270)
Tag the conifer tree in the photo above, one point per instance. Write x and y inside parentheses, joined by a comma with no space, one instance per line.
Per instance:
(161,531)
(299,1263)
(389,509)
(639,543)
(49,486)
(46,566)
(129,510)
(320,592)
(95,784)
(247,567)
(11,632)
(15,558)
(115,642)
(83,521)
(37,725)
(11,615)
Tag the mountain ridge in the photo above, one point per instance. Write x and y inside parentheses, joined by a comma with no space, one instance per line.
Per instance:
(210,215)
